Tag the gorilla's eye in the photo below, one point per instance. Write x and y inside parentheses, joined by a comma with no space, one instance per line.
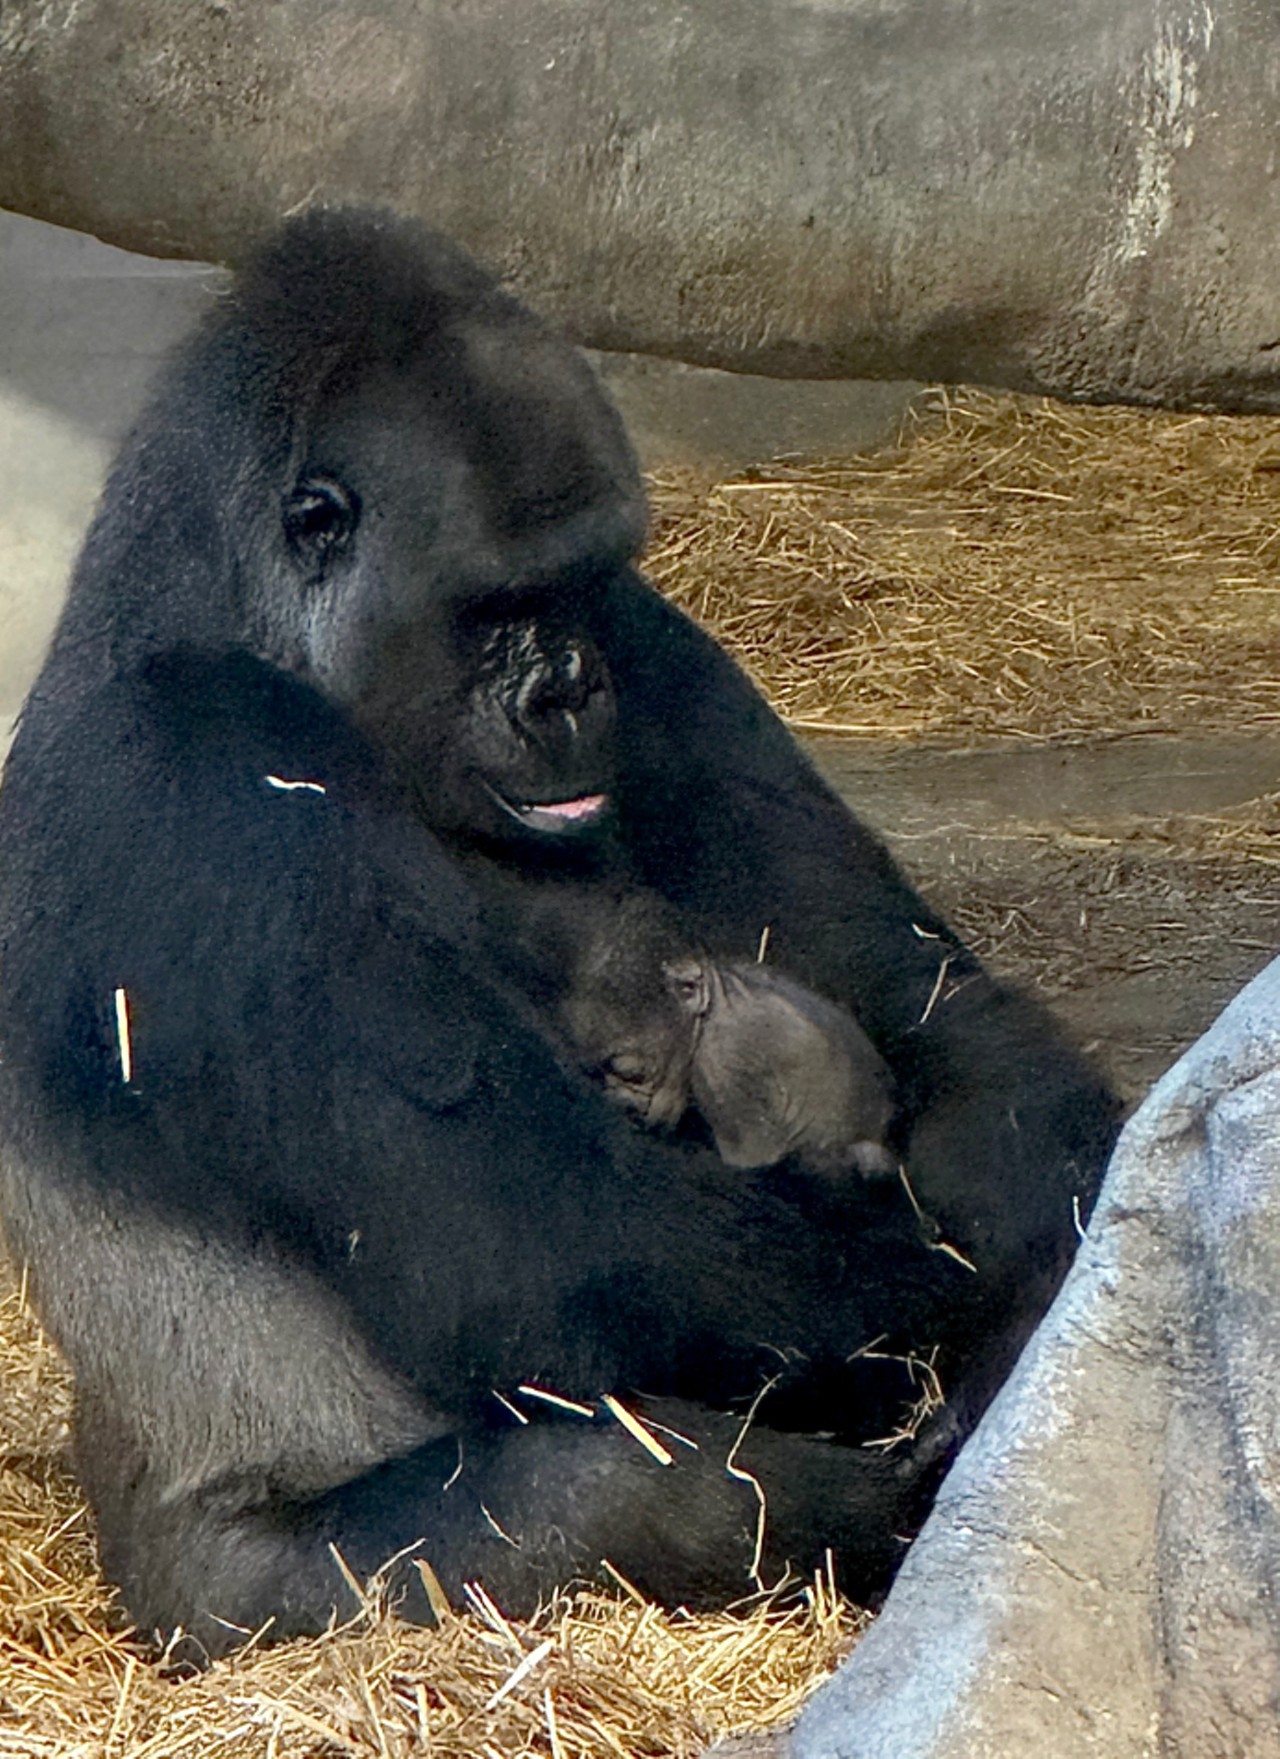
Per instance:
(319,518)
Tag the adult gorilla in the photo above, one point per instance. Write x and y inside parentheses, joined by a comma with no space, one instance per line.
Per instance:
(299,1178)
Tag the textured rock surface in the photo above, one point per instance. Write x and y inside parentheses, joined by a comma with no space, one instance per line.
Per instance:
(1077,198)
(1099,1575)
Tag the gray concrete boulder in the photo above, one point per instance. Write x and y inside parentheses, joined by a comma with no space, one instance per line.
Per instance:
(1081,199)
(1099,1576)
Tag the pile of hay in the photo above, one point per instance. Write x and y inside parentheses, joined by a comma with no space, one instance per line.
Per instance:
(1014,567)
(603,1677)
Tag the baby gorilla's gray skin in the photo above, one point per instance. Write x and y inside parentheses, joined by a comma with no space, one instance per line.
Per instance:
(776,1071)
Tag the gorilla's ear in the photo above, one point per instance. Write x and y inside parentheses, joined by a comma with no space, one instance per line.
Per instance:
(689,983)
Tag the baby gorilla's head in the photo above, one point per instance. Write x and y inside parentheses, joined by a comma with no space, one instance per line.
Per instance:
(629,1014)
(776,1071)
(779,1072)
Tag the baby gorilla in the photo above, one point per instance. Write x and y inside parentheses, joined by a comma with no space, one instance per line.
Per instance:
(775,1071)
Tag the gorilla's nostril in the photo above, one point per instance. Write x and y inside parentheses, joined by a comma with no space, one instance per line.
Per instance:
(556,689)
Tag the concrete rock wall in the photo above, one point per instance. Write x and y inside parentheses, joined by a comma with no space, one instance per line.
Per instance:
(1075,198)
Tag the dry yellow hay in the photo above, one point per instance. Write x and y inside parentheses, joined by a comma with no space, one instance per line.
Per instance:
(1242,837)
(1013,568)
(1250,832)
(603,1677)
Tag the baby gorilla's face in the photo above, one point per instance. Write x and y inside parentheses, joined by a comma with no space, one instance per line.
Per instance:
(638,1039)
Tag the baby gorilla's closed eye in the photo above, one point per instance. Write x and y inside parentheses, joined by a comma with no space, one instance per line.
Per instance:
(628,1067)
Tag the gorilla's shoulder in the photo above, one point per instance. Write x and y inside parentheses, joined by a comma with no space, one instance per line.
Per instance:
(256,864)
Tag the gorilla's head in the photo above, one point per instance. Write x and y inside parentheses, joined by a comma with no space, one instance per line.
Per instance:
(403,487)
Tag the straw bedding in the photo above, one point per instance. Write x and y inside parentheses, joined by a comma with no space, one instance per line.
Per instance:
(610,1676)
(1014,569)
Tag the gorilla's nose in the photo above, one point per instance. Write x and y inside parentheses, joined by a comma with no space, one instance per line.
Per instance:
(561,685)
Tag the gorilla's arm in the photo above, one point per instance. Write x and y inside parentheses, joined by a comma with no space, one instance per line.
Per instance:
(1009,1127)
(522,1512)
(321,1054)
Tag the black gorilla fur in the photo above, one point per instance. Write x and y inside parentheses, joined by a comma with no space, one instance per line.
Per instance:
(349,1189)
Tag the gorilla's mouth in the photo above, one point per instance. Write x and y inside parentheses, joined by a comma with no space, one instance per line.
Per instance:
(557,815)
(554,816)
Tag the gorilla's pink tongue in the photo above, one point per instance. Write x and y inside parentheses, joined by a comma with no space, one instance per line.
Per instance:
(554,813)
(585,806)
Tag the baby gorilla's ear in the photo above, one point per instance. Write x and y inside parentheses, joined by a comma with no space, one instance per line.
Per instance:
(688,982)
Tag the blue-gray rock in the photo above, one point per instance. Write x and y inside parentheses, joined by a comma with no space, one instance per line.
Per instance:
(1099,1575)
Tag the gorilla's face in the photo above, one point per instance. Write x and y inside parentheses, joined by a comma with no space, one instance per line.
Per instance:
(447,532)
(535,735)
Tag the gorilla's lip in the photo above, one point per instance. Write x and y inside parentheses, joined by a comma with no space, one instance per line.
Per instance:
(554,815)
(578,811)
